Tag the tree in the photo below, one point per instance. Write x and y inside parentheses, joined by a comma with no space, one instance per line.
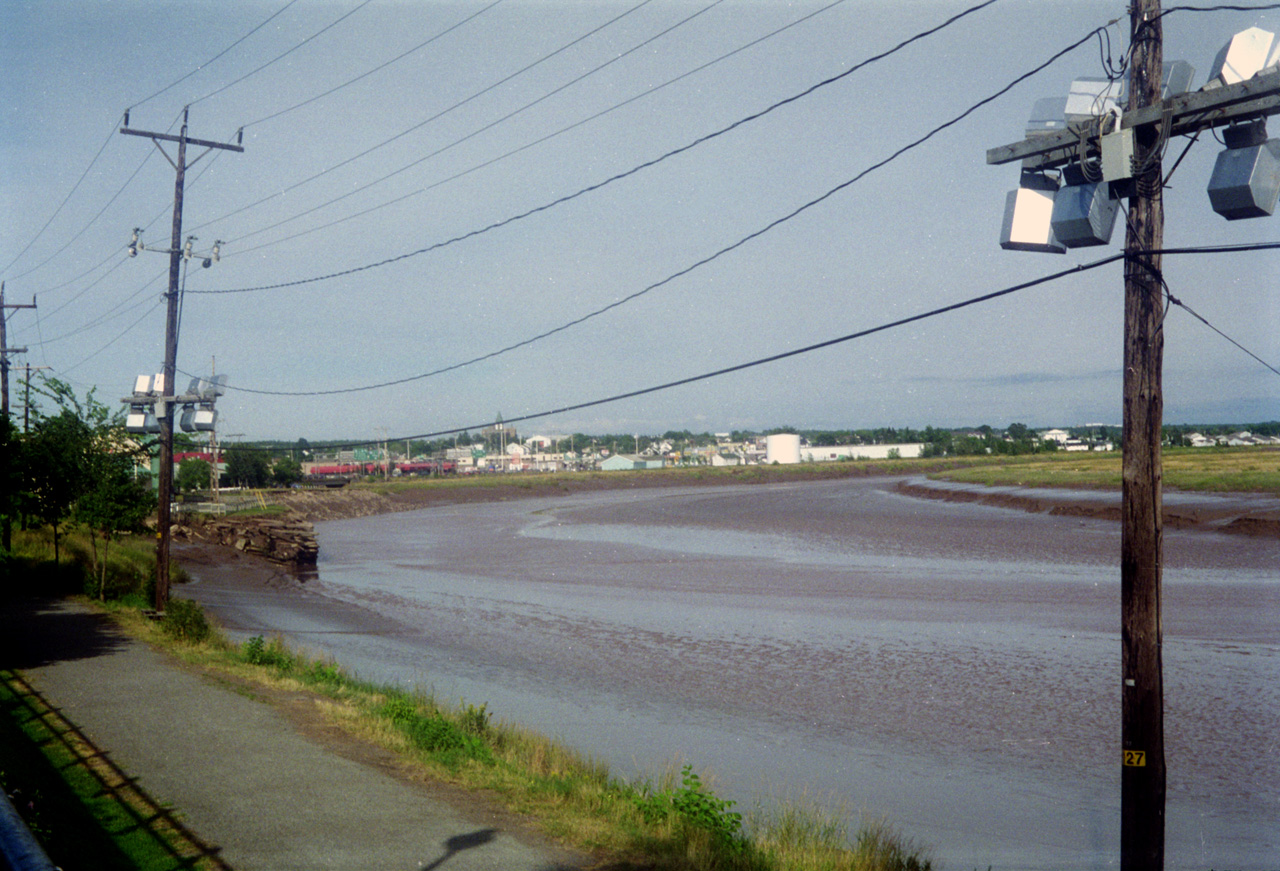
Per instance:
(247,468)
(113,502)
(193,474)
(10,479)
(55,462)
(286,472)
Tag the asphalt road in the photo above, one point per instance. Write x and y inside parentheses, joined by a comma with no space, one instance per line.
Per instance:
(255,777)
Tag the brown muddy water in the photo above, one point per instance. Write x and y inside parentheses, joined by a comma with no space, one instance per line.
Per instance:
(951,667)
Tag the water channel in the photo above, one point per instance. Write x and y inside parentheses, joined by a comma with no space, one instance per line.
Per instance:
(951,667)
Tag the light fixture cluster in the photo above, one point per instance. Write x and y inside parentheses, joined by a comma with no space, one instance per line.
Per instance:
(1076,207)
(150,402)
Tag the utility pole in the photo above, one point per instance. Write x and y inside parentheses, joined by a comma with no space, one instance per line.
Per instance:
(26,395)
(1152,120)
(1142,780)
(6,531)
(166,405)
(5,350)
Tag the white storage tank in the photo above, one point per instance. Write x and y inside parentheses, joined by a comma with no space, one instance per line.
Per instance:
(783,448)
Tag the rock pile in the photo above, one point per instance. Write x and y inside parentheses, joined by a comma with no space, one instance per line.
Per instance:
(282,538)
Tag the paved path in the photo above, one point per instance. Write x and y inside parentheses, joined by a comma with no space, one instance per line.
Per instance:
(241,775)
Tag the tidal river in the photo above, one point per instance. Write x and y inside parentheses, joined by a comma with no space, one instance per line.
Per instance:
(953,668)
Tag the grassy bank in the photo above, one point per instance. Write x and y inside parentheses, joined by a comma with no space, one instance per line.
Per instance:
(672,821)
(1216,470)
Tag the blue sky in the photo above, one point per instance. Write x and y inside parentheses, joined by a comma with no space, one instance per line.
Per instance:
(467,137)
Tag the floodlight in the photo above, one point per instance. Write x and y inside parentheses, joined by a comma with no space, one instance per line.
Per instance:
(205,418)
(1091,97)
(1084,213)
(1048,115)
(142,385)
(1027,215)
(1175,78)
(136,420)
(188,417)
(1246,176)
(1248,52)
(140,420)
(157,384)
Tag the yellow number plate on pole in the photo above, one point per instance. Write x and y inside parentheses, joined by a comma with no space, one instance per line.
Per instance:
(1135,759)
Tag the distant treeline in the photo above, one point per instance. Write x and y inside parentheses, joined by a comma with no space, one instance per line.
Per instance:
(939,441)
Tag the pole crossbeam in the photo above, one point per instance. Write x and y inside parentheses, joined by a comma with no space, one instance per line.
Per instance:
(1258,97)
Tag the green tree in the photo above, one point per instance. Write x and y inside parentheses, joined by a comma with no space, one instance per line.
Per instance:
(193,474)
(113,501)
(55,461)
(286,472)
(10,480)
(246,467)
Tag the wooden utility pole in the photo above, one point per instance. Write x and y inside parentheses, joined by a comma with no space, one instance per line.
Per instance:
(165,405)
(1142,780)
(1153,120)
(5,350)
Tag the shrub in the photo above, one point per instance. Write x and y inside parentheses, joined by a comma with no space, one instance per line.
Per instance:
(185,620)
(449,743)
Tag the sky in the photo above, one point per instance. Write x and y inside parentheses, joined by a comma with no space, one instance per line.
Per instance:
(486,185)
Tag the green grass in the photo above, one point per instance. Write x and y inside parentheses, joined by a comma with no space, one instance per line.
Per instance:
(679,825)
(83,810)
(1219,470)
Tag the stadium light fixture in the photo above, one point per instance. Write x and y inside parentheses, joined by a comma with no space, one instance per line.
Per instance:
(1246,176)
(1084,212)
(1028,212)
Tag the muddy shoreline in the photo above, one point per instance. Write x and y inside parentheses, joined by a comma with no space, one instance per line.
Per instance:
(1244,514)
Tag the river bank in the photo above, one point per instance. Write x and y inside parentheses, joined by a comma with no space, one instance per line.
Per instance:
(1247,514)
(916,657)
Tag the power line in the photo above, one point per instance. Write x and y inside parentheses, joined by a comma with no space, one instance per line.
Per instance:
(773,358)
(280,57)
(1175,301)
(58,211)
(491,161)
(378,68)
(699,141)
(795,352)
(216,56)
(110,134)
(491,124)
(427,121)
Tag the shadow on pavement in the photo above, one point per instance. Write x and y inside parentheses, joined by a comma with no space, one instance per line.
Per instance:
(66,747)
(41,631)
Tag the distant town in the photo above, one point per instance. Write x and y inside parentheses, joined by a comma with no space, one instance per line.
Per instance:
(502,449)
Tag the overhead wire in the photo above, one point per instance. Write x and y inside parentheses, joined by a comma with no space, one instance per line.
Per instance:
(376,69)
(773,358)
(216,57)
(282,56)
(493,123)
(514,151)
(680,150)
(890,325)
(428,120)
(1173,300)
(110,135)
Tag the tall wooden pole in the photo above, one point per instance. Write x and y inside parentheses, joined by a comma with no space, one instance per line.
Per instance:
(165,489)
(165,409)
(1142,786)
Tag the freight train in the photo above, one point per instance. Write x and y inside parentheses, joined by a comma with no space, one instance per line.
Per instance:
(359,470)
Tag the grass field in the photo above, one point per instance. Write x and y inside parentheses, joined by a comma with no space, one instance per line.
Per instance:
(1221,470)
